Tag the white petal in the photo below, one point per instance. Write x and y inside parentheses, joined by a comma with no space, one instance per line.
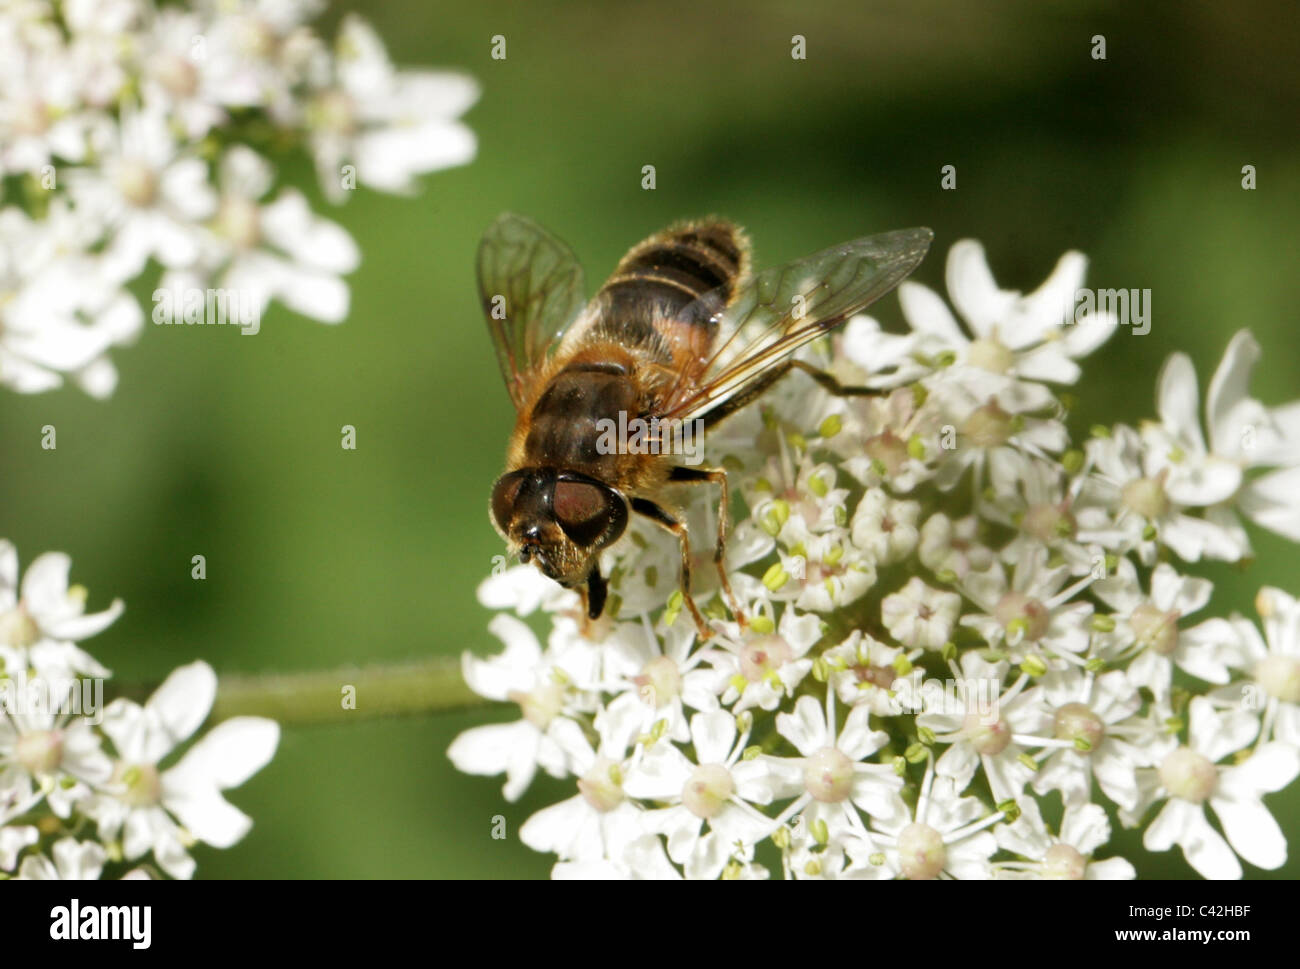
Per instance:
(1270,768)
(1053,301)
(13,839)
(1207,852)
(927,313)
(386,158)
(806,727)
(1214,734)
(857,740)
(1168,827)
(207,815)
(83,627)
(871,348)
(713,734)
(958,762)
(1229,384)
(1085,827)
(521,588)
(1252,831)
(1203,482)
(679,826)
(24,376)
(8,568)
(1110,869)
(1178,399)
(1089,332)
(320,296)
(184,700)
(1184,594)
(82,860)
(445,94)
(494,678)
(1116,776)
(245,173)
(569,829)
(486,750)
(173,859)
(756,781)
(1048,362)
(231,752)
(98,378)
(1205,650)
(973,290)
(185,184)
(1270,502)
(45,584)
(290,224)
(660,776)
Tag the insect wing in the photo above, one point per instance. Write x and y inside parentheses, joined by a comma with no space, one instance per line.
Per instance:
(531,287)
(781,309)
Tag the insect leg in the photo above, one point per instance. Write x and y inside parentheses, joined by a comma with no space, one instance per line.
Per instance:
(594,593)
(717,476)
(660,517)
(753,392)
(761,385)
(832,385)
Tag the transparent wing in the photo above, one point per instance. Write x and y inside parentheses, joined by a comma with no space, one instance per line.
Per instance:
(781,309)
(531,286)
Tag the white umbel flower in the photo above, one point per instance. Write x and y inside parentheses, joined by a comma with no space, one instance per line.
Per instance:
(1272,662)
(391,125)
(715,790)
(70,860)
(151,193)
(601,822)
(991,608)
(545,695)
(920,615)
(1012,337)
(1067,856)
(69,768)
(1243,435)
(41,619)
(166,810)
(1190,779)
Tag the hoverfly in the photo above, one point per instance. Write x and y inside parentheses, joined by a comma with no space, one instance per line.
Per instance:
(681,332)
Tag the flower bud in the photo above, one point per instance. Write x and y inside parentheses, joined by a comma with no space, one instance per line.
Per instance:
(921,852)
(1077,722)
(828,775)
(1189,775)
(707,790)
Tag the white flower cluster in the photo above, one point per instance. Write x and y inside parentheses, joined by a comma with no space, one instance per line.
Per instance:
(132,132)
(967,644)
(82,786)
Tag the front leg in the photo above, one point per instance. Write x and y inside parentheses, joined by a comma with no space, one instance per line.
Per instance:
(717,476)
(660,517)
(593,594)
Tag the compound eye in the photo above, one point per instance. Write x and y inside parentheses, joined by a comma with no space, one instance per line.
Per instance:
(504,493)
(586,512)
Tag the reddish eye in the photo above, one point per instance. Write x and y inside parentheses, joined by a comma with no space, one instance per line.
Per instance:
(504,493)
(582,510)
(590,514)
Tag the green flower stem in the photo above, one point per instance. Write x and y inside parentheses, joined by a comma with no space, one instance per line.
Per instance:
(347,694)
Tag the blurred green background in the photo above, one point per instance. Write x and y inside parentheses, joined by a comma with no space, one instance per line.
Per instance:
(320,557)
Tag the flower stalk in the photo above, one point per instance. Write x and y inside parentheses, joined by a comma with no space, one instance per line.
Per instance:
(347,694)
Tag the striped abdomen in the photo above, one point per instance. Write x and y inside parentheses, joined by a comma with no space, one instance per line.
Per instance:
(646,300)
